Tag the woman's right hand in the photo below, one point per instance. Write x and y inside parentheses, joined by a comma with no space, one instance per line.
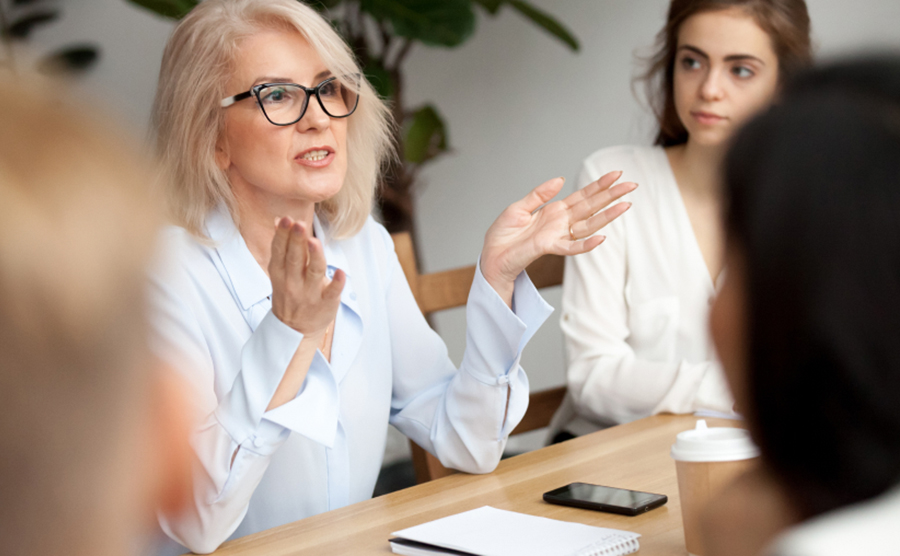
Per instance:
(302,296)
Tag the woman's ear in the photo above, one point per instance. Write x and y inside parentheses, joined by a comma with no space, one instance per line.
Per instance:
(223,160)
(171,424)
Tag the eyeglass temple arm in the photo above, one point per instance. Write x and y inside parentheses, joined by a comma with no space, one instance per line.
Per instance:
(226,102)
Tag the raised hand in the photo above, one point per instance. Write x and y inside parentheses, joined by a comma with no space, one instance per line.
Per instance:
(527,230)
(302,296)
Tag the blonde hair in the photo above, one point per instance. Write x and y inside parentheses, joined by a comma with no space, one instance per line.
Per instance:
(188,120)
(77,227)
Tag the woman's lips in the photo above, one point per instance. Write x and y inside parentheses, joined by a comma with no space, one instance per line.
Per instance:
(706,118)
(315,158)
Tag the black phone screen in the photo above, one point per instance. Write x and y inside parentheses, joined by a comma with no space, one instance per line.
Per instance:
(605,498)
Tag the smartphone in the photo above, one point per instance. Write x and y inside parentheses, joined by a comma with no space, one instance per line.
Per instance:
(605,499)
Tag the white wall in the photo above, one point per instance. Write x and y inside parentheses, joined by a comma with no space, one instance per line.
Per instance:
(520,106)
(131,40)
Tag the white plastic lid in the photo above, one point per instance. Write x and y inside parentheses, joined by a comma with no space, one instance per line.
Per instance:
(713,444)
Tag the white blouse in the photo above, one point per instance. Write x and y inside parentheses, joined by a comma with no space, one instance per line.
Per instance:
(635,310)
(323,449)
(869,528)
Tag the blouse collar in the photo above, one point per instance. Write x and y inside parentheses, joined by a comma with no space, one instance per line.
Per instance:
(251,283)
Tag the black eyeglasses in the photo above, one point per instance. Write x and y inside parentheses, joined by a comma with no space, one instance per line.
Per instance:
(286,103)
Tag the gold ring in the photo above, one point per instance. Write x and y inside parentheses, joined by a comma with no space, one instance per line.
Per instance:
(571,233)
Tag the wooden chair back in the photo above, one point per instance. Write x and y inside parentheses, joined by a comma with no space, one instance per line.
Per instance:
(438,291)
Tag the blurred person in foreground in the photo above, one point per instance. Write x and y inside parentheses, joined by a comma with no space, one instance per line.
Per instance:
(808,320)
(93,430)
(285,303)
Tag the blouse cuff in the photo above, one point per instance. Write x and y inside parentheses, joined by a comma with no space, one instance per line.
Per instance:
(264,359)
(314,411)
(267,438)
(495,334)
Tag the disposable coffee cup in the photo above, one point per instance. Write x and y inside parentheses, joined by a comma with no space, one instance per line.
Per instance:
(706,460)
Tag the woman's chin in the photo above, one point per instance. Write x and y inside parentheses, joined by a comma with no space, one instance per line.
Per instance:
(708,136)
(317,190)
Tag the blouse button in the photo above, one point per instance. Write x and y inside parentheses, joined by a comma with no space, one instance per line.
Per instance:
(257,442)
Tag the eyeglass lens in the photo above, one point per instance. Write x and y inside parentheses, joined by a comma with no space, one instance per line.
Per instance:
(286,104)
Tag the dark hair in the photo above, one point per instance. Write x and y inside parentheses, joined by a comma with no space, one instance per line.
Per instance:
(785,21)
(812,193)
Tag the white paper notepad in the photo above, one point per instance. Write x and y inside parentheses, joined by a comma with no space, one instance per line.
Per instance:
(488,531)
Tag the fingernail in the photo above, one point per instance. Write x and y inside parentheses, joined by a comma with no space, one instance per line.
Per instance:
(297,228)
(284,223)
(629,206)
(602,239)
(563,178)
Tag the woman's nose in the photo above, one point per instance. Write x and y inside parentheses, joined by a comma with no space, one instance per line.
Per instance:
(712,87)
(315,118)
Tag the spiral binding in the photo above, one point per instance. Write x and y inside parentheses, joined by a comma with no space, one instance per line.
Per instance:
(603,548)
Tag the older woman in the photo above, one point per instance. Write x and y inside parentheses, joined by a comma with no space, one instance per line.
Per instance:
(284,301)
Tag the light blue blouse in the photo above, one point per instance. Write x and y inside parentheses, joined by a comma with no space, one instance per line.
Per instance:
(323,449)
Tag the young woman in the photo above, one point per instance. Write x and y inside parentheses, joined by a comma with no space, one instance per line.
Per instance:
(634,313)
(807,320)
(284,301)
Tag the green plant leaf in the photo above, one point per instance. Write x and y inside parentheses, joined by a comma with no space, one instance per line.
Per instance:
(72,59)
(172,9)
(426,136)
(434,22)
(547,22)
(492,6)
(380,79)
(21,28)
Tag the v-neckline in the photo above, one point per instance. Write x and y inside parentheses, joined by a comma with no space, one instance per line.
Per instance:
(681,209)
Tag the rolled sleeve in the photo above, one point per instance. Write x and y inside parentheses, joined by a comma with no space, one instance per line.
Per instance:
(496,334)
(314,411)
(264,358)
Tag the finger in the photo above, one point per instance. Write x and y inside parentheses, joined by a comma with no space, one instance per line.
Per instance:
(590,226)
(540,195)
(602,184)
(295,260)
(333,290)
(599,200)
(279,247)
(584,245)
(315,271)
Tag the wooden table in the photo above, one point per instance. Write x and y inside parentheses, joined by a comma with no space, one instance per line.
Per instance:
(634,456)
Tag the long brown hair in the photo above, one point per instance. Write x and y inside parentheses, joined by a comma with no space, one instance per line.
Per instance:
(785,21)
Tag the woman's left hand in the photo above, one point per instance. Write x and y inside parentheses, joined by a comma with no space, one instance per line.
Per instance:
(526,230)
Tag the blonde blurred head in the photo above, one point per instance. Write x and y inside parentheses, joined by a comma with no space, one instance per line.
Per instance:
(188,120)
(77,229)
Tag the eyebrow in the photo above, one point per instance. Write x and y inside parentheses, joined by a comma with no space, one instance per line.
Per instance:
(729,58)
(268,79)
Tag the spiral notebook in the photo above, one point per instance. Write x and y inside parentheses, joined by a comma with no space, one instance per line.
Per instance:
(488,531)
